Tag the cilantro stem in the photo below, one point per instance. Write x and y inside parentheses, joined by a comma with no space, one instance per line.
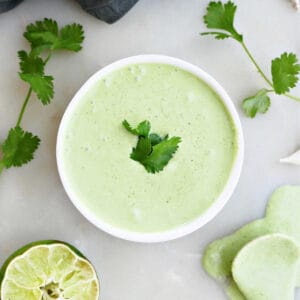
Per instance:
(45,38)
(260,71)
(24,107)
(292,97)
(1,166)
(47,58)
(27,99)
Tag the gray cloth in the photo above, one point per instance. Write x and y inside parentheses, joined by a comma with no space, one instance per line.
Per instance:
(6,5)
(107,10)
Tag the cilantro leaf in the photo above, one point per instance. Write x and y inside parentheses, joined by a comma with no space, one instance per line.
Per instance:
(129,128)
(152,151)
(142,150)
(41,35)
(221,16)
(44,35)
(19,147)
(217,35)
(30,64)
(42,85)
(156,139)
(46,25)
(161,155)
(71,38)
(258,103)
(32,72)
(142,129)
(285,70)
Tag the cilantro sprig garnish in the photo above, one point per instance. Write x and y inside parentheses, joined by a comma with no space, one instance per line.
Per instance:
(45,38)
(285,69)
(152,151)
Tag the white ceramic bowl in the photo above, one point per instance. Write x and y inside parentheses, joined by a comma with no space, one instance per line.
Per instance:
(219,202)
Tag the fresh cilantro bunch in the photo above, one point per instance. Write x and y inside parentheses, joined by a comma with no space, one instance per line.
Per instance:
(44,37)
(284,69)
(152,151)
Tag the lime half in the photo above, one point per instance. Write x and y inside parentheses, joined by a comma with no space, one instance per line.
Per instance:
(48,270)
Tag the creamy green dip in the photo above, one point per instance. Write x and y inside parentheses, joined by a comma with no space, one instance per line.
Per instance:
(118,190)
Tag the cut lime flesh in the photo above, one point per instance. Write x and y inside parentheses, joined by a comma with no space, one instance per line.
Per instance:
(48,270)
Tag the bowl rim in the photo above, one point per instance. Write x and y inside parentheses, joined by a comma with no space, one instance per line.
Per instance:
(223,197)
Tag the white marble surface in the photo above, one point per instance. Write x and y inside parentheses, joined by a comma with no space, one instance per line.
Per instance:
(33,204)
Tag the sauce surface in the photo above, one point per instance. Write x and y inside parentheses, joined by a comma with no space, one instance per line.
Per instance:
(118,190)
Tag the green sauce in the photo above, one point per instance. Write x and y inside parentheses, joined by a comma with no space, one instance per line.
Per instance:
(118,190)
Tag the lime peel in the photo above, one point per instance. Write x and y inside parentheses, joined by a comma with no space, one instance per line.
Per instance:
(47,270)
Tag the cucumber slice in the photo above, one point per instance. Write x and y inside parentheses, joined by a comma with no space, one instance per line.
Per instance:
(266,268)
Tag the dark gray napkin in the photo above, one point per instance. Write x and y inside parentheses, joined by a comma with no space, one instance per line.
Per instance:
(106,10)
(6,5)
